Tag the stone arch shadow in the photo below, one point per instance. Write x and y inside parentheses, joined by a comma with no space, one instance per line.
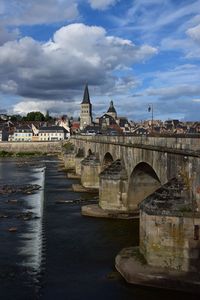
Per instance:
(143,182)
(80,152)
(107,160)
(89,152)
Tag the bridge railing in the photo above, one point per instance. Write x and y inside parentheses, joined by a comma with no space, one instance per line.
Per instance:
(172,142)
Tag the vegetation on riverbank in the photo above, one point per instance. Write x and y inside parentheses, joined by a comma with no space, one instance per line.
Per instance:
(4,153)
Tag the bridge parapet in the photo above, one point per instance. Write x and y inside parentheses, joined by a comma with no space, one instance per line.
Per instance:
(178,143)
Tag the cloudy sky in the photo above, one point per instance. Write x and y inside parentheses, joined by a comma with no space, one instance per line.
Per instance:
(134,52)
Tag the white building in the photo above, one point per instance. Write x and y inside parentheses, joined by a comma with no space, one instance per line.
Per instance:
(22,134)
(53,133)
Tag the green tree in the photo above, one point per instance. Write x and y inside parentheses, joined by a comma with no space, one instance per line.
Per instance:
(15,118)
(35,116)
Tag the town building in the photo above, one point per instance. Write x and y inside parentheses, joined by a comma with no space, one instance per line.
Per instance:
(3,133)
(63,122)
(22,134)
(53,133)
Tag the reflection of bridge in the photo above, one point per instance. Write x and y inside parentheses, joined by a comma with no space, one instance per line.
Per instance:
(145,165)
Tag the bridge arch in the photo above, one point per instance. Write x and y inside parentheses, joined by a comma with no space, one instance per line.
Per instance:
(107,160)
(89,152)
(142,182)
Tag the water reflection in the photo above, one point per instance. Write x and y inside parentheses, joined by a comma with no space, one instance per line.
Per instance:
(32,240)
(77,252)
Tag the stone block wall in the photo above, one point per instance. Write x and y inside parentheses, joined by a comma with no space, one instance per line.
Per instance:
(69,161)
(112,195)
(43,147)
(170,241)
(78,165)
(90,169)
(90,176)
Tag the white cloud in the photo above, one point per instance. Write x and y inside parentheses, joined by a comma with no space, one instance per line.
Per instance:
(6,35)
(153,20)
(174,92)
(54,107)
(194,33)
(175,83)
(102,4)
(31,12)
(58,69)
(8,87)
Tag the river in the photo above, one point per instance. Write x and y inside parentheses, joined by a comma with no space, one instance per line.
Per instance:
(55,253)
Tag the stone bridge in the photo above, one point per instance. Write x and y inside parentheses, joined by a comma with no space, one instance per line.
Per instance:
(127,169)
(161,176)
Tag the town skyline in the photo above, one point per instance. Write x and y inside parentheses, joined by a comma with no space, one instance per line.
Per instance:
(134,53)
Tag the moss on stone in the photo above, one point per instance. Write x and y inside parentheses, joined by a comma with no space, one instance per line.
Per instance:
(68,147)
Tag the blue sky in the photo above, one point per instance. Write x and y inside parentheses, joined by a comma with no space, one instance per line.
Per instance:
(133,52)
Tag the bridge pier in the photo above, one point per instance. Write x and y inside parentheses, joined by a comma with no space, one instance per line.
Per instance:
(69,161)
(78,159)
(169,241)
(113,187)
(90,169)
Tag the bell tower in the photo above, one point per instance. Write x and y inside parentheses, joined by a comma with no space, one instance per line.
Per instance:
(86,110)
(112,111)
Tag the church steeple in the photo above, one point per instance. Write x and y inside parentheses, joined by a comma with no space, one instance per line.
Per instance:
(86,96)
(86,109)
(111,107)
(111,110)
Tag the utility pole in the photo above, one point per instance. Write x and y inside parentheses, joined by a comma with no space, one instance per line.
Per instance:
(150,108)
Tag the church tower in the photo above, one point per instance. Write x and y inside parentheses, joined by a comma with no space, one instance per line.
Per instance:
(112,111)
(86,110)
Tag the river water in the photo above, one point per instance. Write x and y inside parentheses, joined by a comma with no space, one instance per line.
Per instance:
(56,253)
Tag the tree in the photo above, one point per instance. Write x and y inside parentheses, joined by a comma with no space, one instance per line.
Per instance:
(16,118)
(35,116)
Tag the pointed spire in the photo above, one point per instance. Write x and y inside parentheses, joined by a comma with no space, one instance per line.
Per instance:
(111,108)
(86,96)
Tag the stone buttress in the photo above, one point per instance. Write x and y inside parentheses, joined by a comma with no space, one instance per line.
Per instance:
(113,187)
(90,169)
(170,229)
